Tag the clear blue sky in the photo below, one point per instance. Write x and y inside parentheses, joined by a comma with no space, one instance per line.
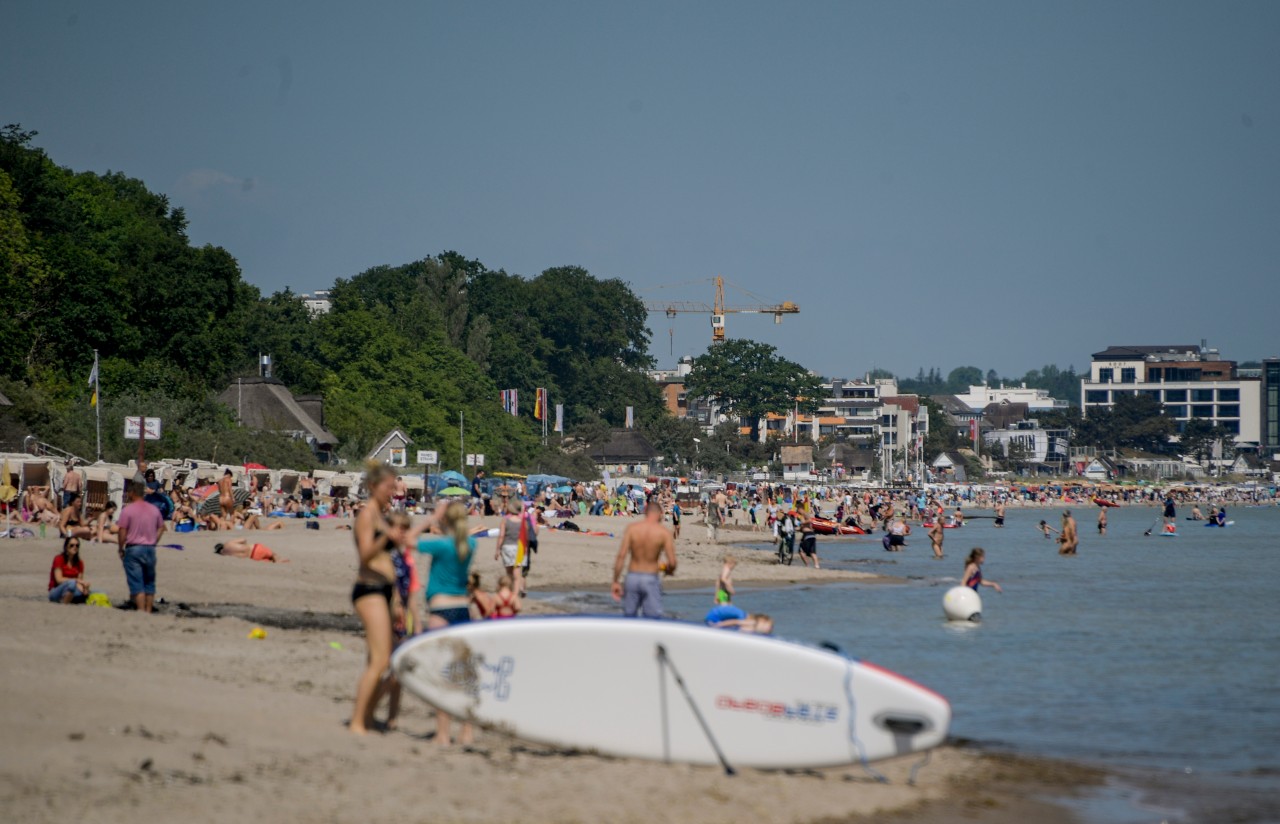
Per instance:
(1002,184)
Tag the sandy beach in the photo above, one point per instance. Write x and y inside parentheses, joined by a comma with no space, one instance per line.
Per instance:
(115,716)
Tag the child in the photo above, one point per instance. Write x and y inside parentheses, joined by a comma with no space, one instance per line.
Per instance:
(973,571)
(675,519)
(724,586)
(1046,529)
(506,601)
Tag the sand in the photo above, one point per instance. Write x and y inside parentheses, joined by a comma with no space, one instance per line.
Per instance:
(113,716)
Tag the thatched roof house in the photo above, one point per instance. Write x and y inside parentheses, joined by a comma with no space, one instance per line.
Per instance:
(267,405)
(625,448)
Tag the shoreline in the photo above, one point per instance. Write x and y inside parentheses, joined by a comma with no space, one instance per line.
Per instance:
(115,716)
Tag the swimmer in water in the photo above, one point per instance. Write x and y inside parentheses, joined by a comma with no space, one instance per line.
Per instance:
(973,571)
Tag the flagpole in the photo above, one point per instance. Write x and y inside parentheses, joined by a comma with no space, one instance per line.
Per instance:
(97,407)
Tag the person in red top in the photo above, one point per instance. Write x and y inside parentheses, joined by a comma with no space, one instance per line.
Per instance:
(67,584)
(141,526)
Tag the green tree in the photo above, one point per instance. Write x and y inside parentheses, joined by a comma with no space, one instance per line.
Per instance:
(1139,422)
(750,379)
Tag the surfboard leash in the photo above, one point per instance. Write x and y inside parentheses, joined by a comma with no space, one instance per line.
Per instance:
(665,660)
(853,725)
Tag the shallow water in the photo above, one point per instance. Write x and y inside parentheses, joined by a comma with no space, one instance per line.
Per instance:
(1145,652)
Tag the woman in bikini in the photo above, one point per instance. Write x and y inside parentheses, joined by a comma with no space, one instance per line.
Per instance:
(69,523)
(506,601)
(448,598)
(373,590)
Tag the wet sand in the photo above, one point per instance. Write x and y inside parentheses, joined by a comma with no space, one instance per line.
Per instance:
(113,716)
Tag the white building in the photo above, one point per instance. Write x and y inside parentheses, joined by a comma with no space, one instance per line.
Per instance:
(1041,446)
(318,302)
(1189,381)
(1037,400)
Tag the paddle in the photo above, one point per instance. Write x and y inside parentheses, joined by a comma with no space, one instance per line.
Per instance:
(1152,529)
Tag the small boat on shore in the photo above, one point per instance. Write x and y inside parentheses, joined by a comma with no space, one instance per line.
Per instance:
(1105,502)
(823,526)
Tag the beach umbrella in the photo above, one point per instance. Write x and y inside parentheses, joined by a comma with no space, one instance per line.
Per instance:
(252,466)
(213,504)
(453,492)
(563,490)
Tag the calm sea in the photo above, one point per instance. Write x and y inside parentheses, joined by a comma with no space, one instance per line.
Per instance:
(1159,656)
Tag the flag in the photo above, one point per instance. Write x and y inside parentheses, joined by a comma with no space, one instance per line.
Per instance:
(973,430)
(631,417)
(522,543)
(93,381)
(515,402)
(559,417)
(540,404)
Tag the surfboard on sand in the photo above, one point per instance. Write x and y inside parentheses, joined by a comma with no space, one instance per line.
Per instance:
(668,691)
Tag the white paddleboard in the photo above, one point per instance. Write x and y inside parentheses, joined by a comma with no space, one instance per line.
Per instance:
(600,684)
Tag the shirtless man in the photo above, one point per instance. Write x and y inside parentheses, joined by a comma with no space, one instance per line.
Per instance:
(72,484)
(1068,540)
(227,497)
(935,537)
(1000,514)
(645,542)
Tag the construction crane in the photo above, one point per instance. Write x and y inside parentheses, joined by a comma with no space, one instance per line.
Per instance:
(718,310)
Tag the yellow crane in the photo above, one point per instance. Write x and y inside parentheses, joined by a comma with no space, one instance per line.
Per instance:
(718,310)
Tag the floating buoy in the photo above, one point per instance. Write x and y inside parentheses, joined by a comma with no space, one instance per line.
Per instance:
(962,604)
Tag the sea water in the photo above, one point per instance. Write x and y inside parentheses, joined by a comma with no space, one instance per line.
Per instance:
(1161,655)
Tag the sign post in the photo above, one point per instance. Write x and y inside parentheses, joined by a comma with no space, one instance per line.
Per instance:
(141,429)
(427,458)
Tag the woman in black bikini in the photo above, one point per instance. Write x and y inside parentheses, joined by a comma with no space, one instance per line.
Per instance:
(373,591)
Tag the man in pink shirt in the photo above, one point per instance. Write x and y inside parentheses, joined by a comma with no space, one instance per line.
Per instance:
(141,526)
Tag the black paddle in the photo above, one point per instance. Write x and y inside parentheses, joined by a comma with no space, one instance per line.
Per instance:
(1147,534)
(666,661)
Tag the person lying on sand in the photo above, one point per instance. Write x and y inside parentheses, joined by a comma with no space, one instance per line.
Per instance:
(240,548)
(757,623)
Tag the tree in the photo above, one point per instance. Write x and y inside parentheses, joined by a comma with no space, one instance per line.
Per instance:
(962,377)
(1139,422)
(1197,440)
(750,379)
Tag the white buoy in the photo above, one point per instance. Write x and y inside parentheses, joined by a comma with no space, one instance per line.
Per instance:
(962,604)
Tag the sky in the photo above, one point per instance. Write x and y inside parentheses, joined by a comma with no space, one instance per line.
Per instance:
(997,184)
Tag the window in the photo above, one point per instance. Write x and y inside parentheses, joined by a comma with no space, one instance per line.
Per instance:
(1096,396)
(1128,375)
(1228,410)
(1231,426)
(1202,395)
(1229,395)
(1176,411)
(1151,393)
(1155,374)
(1106,375)
(1175,396)
(1202,411)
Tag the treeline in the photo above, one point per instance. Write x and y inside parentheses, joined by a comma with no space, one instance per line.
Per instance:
(92,261)
(1060,383)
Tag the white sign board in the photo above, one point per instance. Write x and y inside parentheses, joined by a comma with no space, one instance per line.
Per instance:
(427,458)
(479,459)
(471,459)
(135,428)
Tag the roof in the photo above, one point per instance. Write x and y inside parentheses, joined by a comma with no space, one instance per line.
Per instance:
(910,403)
(954,458)
(797,454)
(267,405)
(1120,353)
(624,446)
(953,405)
(848,455)
(5,401)
(1003,413)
